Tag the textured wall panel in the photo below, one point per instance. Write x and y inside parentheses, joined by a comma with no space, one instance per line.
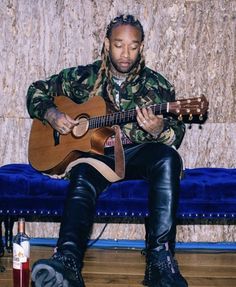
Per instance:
(185,233)
(192,42)
(212,146)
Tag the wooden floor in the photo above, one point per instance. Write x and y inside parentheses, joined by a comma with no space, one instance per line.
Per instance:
(124,268)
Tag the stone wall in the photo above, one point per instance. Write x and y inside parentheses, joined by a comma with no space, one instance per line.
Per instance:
(192,42)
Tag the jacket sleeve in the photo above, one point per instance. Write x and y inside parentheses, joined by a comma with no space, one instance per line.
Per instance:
(40,96)
(174,129)
(69,82)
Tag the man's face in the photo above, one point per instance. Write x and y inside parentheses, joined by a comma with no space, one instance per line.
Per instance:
(124,47)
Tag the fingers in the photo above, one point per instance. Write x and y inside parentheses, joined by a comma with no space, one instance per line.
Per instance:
(71,121)
(148,121)
(140,117)
(145,116)
(67,124)
(60,121)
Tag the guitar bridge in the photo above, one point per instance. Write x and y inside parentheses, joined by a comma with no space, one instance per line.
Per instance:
(56,136)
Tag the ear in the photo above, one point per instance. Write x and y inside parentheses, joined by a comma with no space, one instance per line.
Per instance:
(107,44)
(141,47)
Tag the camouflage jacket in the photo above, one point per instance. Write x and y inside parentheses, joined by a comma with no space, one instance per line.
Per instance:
(77,83)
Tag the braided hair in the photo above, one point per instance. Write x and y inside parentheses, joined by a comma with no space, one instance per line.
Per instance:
(105,65)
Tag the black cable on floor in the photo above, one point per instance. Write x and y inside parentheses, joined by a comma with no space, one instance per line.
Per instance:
(99,236)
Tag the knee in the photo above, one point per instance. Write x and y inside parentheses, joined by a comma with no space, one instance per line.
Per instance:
(173,159)
(86,179)
(80,186)
(168,160)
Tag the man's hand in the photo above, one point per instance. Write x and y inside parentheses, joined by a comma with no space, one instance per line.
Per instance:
(59,121)
(149,122)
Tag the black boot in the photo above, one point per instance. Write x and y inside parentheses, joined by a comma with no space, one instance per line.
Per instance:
(64,268)
(162,269)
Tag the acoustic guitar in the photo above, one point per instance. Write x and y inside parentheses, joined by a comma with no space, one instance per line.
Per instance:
(51,152)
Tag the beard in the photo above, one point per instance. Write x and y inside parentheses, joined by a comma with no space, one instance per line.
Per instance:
(124,69)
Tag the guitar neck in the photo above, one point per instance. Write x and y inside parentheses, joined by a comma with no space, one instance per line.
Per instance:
(124,117)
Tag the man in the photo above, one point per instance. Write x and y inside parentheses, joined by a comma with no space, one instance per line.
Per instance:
(124,82)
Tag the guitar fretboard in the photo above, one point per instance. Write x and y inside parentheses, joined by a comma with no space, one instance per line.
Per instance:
(124,117)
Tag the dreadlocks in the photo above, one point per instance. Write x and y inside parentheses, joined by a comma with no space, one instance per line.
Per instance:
(105,71)
(124,20)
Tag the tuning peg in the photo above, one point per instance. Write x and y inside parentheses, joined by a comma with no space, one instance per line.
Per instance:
(190,117)
(180,117)
(201,117)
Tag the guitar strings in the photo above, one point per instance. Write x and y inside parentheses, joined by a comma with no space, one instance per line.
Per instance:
(122,116)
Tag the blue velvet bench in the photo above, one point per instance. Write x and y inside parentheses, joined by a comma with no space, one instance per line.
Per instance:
(206,193)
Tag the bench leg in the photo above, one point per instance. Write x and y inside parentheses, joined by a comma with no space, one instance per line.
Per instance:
(146,224)
(8,224)
(1,241)
(2,268)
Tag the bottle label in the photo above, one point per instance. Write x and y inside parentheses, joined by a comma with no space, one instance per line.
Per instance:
(20,254)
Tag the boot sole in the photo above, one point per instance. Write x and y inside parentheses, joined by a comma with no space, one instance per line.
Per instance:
(45,275)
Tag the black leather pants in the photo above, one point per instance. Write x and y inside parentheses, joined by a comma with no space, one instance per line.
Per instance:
(77,220)
(155,162)
(161,165)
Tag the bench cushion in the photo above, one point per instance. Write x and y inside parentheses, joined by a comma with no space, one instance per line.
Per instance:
(205,193)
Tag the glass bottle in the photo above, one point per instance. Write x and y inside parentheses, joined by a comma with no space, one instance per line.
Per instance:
(21,255)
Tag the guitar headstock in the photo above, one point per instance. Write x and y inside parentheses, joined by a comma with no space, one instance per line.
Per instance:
(189,107)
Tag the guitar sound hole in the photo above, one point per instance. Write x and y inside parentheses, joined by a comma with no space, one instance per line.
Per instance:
(81,128)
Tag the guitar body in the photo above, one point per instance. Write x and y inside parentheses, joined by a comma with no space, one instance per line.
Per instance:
(51,152)
(48,155)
